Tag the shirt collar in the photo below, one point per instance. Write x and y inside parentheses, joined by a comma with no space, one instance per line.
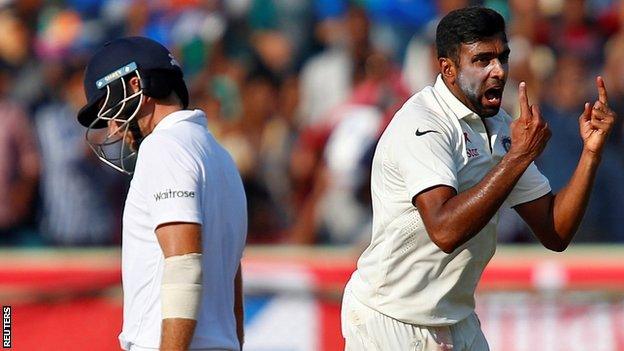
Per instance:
(459,109)
(195,116)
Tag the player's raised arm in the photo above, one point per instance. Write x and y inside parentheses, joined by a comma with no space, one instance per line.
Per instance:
(453,218)
(555,219)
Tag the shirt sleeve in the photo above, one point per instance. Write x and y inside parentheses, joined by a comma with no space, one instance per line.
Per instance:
(424,154)
(531,185)
(172,181)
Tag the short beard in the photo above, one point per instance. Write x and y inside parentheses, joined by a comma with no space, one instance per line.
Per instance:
(472,96)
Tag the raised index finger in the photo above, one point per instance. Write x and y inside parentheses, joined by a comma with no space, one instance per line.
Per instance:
(525,110)
(602,90)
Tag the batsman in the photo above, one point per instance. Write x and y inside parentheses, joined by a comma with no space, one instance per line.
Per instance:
(185,217)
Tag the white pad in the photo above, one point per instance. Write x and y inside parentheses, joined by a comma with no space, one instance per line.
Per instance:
(181,286)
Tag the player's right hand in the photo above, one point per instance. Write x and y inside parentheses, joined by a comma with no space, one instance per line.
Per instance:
(529,133)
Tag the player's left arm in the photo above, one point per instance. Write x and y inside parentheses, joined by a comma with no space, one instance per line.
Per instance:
(555,218)
(181,290)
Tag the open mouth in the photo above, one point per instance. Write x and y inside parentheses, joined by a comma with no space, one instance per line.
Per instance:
(494,95)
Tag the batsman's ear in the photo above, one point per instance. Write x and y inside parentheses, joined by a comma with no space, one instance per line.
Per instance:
(135,84)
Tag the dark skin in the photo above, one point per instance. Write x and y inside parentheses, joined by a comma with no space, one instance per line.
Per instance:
(451,219)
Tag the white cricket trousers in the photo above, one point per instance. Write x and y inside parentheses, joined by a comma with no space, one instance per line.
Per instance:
(365,329)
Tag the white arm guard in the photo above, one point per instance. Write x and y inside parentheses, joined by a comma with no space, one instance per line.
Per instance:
(181,286)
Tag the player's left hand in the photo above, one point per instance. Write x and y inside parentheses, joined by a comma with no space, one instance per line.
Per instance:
(596,122)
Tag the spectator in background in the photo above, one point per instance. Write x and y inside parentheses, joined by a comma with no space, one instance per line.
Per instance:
(341,216)
(327,79)
(357,124)
(560,107)
(529,62)
(16,49)
(74,211)
(420,62)
(19,164)
(244,142)
(613,67)
(309,182)
(574,31)
(420,59)
(350,130)
(278,139)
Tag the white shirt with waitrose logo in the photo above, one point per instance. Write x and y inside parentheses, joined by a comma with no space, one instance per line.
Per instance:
(182,175)
(433,140)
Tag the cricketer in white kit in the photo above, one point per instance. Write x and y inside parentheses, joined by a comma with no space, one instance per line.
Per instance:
(443,167)
(185,217)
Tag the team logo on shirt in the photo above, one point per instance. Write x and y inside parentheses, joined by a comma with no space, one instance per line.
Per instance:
(506,141)
(470,151)
(172,194)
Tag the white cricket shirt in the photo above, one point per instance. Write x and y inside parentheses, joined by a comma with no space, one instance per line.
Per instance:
(182,175)
(432,140)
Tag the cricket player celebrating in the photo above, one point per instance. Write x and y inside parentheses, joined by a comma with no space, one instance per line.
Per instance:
(185,219)
(443,167)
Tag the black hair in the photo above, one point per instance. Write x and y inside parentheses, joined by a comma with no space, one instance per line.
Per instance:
(466,26)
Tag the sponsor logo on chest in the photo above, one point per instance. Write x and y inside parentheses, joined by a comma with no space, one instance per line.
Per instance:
(470,151)
(172,194)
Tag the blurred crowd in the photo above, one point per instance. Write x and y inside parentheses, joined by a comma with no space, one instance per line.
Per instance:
(298,91)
